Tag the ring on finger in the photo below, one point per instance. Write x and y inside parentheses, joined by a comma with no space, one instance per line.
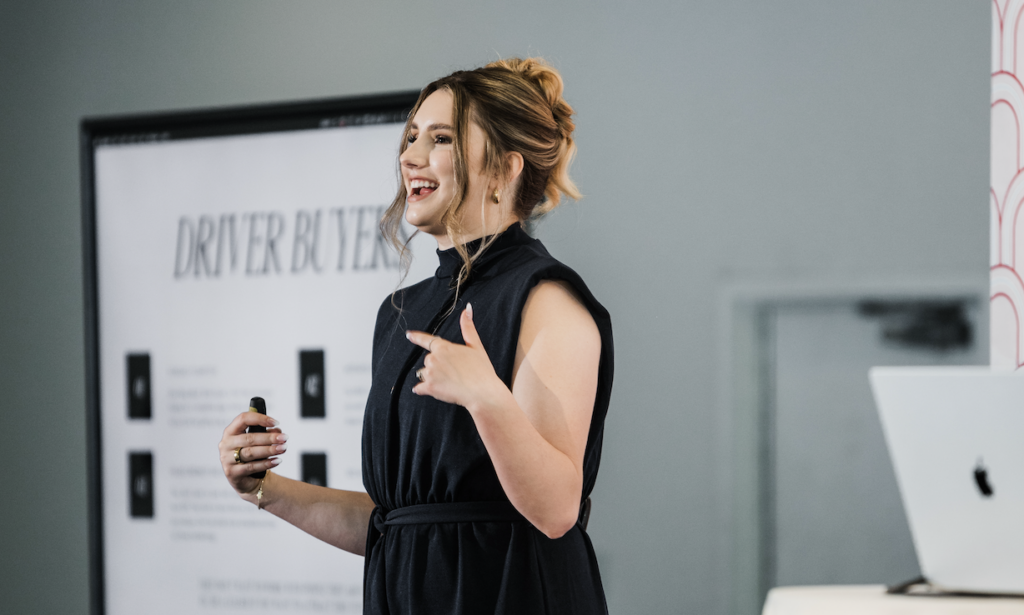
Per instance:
(432,340)
(419,374)
(238,455)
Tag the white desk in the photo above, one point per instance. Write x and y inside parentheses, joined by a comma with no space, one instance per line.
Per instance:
(872,600)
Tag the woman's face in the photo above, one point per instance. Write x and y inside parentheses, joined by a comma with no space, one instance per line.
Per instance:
(429,174)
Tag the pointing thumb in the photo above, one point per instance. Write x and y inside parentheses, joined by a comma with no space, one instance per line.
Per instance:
(469,334)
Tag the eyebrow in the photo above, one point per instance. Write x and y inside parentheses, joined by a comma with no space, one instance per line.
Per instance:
(433,127)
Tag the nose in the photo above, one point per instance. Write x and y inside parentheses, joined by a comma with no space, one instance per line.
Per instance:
(414,156)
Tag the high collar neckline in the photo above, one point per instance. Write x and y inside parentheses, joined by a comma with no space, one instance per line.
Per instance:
(449,261)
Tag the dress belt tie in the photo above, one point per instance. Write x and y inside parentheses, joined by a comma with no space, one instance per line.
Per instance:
(457,512)
(449,512)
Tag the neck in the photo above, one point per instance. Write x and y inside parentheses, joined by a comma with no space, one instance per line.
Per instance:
(444,242)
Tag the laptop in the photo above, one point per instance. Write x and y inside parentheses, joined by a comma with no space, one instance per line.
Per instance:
(956,439)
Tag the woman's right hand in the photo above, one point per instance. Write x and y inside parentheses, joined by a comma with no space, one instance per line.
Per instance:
(257,450)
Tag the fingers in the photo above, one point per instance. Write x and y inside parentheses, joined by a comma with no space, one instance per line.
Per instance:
(255,418)
(431,343)
(422,374)
(250,459)
(240,470)
(255,453)
(422,388)
(424,340)
(452,371)
(247,440)
(246,419)
(469,333)
(255,450)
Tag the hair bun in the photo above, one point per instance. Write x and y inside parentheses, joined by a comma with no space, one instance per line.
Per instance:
(547,80)
(548,83)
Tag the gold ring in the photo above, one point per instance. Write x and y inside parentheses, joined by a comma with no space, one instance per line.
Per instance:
(238,455)
(419,374)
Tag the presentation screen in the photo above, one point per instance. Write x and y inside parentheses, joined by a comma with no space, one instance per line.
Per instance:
(231,254)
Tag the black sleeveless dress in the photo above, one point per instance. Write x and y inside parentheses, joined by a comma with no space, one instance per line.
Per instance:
(444,538)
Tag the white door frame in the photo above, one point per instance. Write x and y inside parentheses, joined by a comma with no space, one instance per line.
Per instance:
(746,413)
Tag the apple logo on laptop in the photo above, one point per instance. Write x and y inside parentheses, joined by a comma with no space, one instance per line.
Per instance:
(981,479)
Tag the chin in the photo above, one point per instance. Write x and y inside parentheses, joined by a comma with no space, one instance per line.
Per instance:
(430,227)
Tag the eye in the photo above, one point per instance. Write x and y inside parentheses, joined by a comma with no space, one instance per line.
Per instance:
(411,138)
(442,139)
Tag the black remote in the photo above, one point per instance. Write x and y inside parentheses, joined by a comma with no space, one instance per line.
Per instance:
(256,404)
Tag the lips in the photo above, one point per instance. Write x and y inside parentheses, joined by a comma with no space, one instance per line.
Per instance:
(422,187)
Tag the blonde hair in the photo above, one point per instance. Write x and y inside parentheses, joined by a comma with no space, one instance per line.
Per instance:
(519,106)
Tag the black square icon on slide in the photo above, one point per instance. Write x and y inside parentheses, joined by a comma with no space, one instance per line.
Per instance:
(311,384)
(314,469)
(139,400)
(140,484)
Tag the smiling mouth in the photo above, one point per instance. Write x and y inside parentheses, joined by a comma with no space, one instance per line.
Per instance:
(422,187)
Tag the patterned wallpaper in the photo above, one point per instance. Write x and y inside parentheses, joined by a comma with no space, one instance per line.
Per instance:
(1007,185)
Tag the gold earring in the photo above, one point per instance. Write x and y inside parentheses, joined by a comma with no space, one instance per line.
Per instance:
(496,197)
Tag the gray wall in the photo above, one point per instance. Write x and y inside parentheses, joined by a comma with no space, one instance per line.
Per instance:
(719,142)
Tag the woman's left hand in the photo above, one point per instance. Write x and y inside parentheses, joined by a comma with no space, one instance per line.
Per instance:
(456,373)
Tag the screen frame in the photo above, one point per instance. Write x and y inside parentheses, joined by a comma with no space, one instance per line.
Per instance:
(168,126)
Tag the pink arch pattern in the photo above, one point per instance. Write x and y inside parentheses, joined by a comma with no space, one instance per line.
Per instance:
(1006,197)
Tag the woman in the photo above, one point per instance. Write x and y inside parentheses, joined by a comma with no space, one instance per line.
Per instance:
(482,431)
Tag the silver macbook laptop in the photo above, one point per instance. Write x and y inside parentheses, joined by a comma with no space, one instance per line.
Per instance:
(956,438)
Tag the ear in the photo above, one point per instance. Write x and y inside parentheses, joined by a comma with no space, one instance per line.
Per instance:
(514,163)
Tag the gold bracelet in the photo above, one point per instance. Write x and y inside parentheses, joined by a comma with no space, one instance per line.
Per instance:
(259,493)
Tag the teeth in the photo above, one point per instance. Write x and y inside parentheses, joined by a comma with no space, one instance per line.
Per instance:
(422,183)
